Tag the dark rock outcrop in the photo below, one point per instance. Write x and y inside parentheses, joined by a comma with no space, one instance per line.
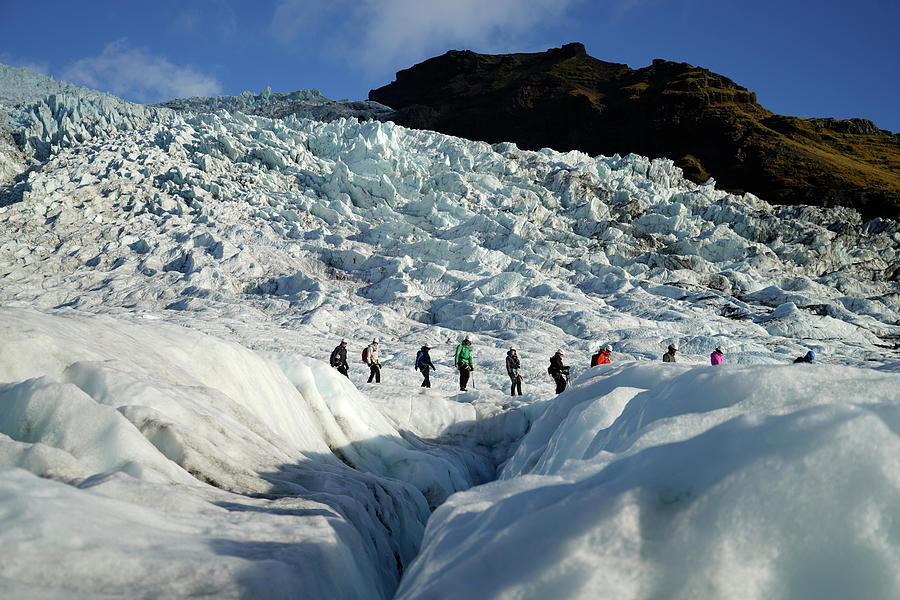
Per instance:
(710,126)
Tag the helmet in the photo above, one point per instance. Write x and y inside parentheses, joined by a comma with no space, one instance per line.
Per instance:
(720,350)
(560,352)
(673,346)
(426,347)
(608,348)
(343,341)
(375,340)
(466,340)
(512,349)
(811,355)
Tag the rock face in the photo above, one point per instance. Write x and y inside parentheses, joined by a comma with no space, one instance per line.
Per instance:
(706,123)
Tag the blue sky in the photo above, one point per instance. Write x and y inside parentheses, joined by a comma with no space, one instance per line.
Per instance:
(804,58)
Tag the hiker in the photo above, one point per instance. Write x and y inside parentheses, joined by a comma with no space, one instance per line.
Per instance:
(717,357)
(807,358)
(338,358)
(423,361)
(463,361)
(512,368)
(602,356)
(558,371)
(370,357)
(670,355)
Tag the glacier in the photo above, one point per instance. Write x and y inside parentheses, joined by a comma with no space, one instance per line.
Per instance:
(174,278)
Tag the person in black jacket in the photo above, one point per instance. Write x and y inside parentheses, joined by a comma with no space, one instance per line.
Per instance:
(512,368)
(559,371)
(669,356)
(423,361)
(339,358)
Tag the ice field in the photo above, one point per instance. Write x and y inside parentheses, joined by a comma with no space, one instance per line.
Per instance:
(173,281)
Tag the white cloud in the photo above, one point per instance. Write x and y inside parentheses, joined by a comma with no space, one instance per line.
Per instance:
(35,66)
(213,16)
(134,74)
(376,34)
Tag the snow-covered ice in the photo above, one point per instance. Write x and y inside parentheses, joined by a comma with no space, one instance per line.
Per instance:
(173,282)
(752,482)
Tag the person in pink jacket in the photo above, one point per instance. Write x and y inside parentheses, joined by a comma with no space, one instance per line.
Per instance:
(717,357)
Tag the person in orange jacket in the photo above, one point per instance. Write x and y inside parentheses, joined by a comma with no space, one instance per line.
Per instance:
(602,356)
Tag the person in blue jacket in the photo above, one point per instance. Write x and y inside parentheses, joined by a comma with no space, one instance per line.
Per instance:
(423,362)
(807,358)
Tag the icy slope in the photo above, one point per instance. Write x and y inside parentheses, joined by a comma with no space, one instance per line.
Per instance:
(226,210)
(130,410)
(751,482)
(44,115)
(302,103)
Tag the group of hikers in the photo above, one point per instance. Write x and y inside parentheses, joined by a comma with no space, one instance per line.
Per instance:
(338,360)
(718,355)
(463,360)
(464,363)
(716,358)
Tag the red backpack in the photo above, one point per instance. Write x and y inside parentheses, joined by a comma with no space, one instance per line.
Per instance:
(365,354)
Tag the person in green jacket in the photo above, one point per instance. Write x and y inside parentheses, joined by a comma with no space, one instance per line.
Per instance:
(463,362)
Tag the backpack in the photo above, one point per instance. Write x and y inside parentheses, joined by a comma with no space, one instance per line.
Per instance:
(418,358)
(365,354)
